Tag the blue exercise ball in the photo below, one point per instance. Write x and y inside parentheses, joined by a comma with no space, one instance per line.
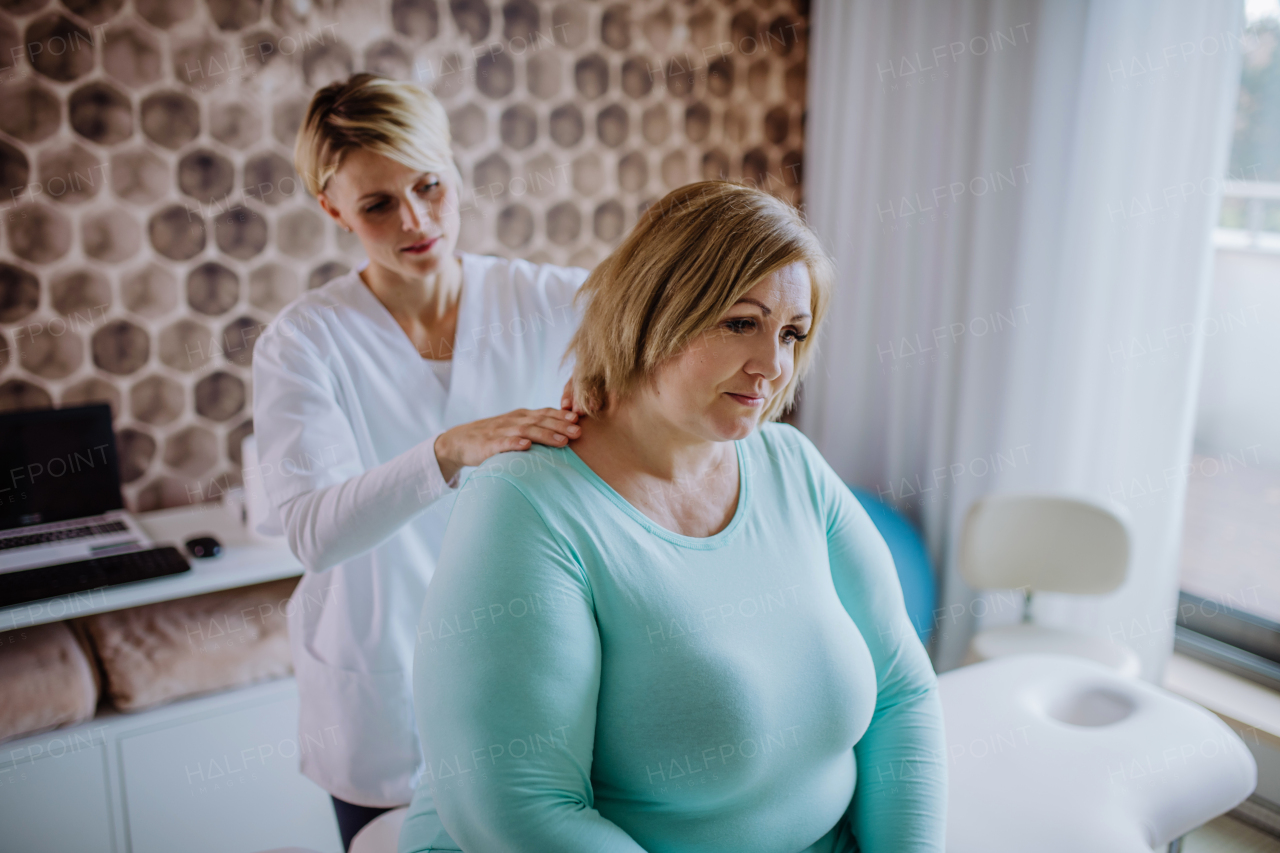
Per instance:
(910,557)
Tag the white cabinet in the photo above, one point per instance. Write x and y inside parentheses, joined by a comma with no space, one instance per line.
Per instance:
(215,774)
(55,793)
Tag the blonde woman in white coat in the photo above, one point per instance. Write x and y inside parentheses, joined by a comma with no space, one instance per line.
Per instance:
(371,394)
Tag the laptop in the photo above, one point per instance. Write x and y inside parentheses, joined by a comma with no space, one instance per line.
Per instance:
(63,523)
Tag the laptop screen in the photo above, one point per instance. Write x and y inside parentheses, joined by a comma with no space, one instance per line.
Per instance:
(57,464)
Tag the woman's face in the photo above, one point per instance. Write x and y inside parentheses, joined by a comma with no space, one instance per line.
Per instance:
(717,387)
(408,221)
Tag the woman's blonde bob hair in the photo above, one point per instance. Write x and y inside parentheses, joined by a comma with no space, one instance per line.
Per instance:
(690,258)
(397,119)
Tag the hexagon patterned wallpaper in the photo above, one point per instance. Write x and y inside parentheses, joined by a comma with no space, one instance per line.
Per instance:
(153,222)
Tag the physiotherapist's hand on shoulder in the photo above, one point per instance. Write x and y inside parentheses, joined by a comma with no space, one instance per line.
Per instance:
(566,399)
(471,444)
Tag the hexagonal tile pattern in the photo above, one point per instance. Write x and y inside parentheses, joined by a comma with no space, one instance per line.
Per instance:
(564,223)
(219,396)
(495,74)
(286,119)
(591,76)
(166,491)
(69,174)
(326,62)
(191,451)
(156,400)
(59,48)
(83,294)
(177,232)
(164,13)
(111,235)
(270,178)
(101,113)
(518,127)
(568,118)
(212,289)
(326,272)
(150,291)
(32,112)
(120,347)
(92,390)
(544,72)
(38,233)
(301,233)
(238,339)
(417,19)
(135,450)
(566,125)
(237,124)
(615,26)
(612,125)
(48,350)
(235,14)
(169,118)
(570,22)
(139,176)
(206,176)
(471,17)
(131,55)
(19,394)
(186,345)
(19,293)
(241,232)
(273,286)
(235,438)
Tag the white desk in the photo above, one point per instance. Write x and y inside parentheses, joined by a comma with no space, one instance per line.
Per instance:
(244,561)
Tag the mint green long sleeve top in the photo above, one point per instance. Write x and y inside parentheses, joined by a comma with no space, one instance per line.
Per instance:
(587,680)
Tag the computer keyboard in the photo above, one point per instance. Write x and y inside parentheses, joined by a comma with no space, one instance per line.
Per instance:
(23,540)
(66,578)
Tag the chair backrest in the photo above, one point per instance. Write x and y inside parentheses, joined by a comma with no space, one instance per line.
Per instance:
(1044,542)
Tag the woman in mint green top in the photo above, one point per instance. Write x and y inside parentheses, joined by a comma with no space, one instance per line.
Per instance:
(682,632)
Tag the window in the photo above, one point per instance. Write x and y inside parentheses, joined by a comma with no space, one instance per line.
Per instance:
(1229,610)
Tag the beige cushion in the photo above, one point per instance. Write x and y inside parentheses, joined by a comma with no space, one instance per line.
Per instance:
(160,652)
(46,680)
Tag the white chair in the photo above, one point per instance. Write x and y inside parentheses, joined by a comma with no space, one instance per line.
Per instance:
(382,834)
(1058,754)
(1048,543)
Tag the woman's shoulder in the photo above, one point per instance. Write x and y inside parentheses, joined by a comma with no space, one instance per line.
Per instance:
(309,315)
(523,281)
(543,475)
(783,443)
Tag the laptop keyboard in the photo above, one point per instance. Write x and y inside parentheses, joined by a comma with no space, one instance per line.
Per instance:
(48,581)
(22,541)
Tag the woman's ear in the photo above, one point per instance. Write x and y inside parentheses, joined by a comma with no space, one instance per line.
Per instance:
(327,207)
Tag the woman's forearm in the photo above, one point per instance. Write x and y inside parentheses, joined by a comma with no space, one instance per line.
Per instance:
(900,802)
(330,525)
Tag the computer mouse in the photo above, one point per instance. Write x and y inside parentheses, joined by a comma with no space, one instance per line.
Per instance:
(204,546)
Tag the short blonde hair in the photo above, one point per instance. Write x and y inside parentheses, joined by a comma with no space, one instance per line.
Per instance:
(690,258)
(397,119)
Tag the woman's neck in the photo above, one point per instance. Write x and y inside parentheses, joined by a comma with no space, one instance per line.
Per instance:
(681,481)
(637,431)
(427,299)
(426,308)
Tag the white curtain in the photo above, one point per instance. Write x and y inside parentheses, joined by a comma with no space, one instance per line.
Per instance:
(1019,196)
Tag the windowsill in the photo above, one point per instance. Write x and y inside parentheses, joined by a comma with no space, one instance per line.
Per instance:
(1237,700)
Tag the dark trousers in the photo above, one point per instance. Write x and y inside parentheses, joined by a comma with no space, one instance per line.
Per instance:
(352,818)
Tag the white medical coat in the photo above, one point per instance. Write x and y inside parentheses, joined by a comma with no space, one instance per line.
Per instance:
(339,389)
